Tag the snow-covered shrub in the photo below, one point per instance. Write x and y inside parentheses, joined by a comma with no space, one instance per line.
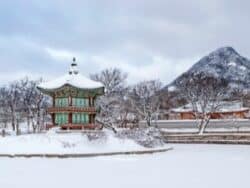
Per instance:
(68,144)
(97,135)
(147,137)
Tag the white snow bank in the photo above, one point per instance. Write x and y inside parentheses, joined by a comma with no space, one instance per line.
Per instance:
(187,166)
(52,143)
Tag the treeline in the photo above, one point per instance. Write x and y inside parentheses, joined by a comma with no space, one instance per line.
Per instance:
(21,102)
(122,105)
(125,105)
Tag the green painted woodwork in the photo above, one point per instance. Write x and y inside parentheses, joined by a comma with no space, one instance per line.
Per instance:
(80,98)
(61,118)
(80,102)
(79,118)
(61,102)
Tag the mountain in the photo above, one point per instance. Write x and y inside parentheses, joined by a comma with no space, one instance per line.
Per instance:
(224,63)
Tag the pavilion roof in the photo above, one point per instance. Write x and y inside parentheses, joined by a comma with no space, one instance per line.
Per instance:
(73,78)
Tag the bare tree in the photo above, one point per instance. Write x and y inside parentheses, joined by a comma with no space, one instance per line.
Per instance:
(5,115)
(240,93)
(204,92)
(144,99)
(14,101)
(41,102)
(114,81)
(34,104)
(169,99)
(21,100)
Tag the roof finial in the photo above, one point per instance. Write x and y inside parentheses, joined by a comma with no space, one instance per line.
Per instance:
(73,67)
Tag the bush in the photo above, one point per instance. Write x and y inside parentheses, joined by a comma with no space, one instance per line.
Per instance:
(147,137)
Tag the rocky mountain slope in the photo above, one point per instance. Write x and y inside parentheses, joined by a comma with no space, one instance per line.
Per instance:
(225,63)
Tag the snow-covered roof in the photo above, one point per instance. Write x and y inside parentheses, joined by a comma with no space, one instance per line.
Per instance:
(76,80)
(73,78)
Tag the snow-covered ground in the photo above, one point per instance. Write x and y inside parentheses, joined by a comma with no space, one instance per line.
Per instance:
(187,166)
(62,143)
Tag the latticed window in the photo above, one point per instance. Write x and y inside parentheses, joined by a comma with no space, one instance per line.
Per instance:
(78,118)
(80,102)
(61,118)
(61,102)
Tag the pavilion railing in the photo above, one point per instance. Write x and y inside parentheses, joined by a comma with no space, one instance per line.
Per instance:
(71,109)
(75,126)
(80,126)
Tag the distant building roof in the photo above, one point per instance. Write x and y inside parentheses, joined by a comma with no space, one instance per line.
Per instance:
(224,106)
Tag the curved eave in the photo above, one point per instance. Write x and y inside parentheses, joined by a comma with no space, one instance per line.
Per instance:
(98,90)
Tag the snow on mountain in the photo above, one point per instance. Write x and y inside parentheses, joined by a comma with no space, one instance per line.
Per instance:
(225,63)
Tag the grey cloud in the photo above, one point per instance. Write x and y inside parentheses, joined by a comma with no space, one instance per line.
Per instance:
(135,31)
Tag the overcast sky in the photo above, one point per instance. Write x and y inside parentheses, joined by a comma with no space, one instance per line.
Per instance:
(156,39)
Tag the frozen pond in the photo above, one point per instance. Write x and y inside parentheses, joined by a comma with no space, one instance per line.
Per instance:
(194,166)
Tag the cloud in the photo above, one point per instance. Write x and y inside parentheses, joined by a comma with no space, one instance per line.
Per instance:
(164,69)
(148,39)
(61,55)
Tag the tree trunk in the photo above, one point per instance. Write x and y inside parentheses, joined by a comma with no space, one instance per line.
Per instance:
(33,127)
(17,129)
(202,129)
(13,123)
(148,120)
(28,120)
(204,125)
(38,121)
(200,125)
(13,117)
(106,125)
(28,124)
(3,132)
(5,124)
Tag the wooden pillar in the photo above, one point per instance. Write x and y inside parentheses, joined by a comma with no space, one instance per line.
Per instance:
(53,119)
(70,118)
(90,104)
(54,100)
(90,118)
(70,101)
(93,118)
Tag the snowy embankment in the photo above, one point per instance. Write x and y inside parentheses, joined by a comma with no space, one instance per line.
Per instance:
(214,124)
(187,166)
(67,143)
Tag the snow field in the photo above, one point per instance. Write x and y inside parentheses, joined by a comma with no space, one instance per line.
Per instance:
(187,166)
(58,143)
